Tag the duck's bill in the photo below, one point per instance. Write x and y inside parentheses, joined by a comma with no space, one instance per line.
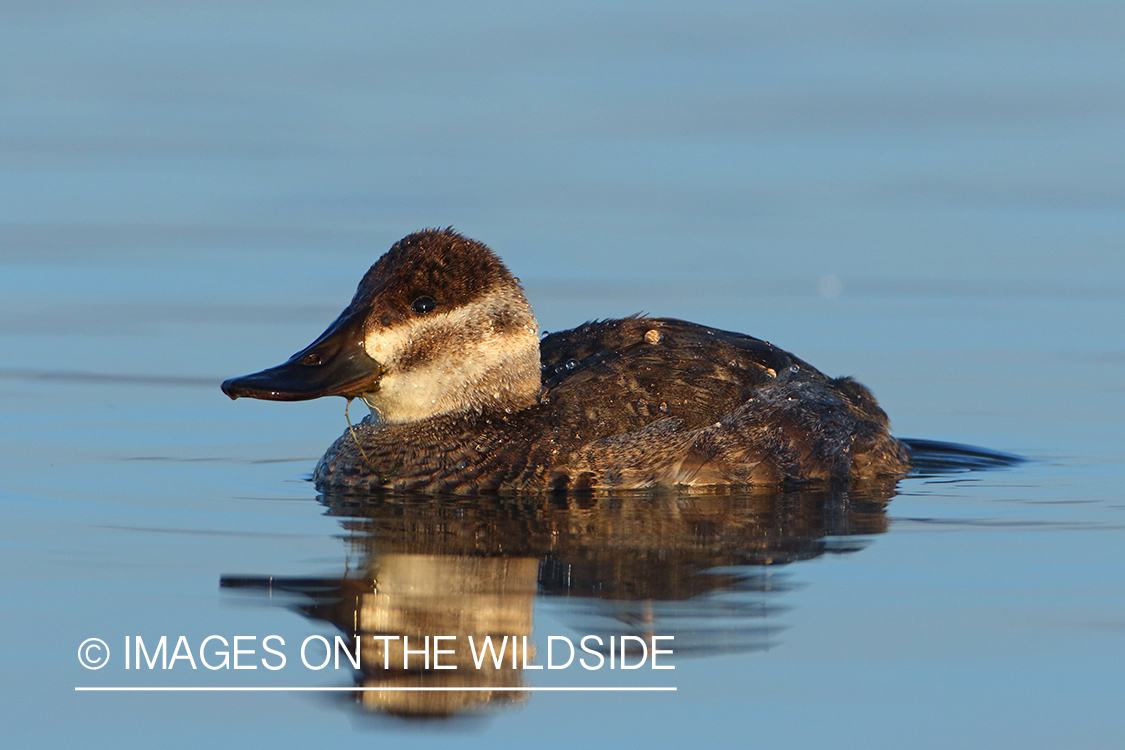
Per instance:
(336,364)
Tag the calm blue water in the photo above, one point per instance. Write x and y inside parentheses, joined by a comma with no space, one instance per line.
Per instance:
(928,196)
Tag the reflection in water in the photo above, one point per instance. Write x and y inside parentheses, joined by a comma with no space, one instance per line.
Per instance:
(696,567)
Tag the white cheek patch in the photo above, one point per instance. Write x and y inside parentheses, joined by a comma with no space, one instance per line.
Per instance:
(387,345)
(463,374)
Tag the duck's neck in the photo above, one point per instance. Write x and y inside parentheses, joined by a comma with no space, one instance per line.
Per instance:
(479,358)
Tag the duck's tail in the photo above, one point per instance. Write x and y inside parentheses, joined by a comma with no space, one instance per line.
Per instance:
(936,457)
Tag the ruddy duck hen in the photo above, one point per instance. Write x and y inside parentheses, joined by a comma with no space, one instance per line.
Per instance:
(441,344)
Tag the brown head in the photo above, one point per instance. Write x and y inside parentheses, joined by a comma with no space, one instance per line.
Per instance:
(438,325)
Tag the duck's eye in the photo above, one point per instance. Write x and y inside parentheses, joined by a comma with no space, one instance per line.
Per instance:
(423,304)
(311,359)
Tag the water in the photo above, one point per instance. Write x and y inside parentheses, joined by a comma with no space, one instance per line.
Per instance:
(927,196)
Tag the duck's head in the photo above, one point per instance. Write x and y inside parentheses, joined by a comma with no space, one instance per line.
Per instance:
(437,326)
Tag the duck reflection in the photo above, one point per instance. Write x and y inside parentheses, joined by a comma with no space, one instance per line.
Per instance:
(700,568)
(403,600)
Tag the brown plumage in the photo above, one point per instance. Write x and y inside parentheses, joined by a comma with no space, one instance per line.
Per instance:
(619,404)
(701,407)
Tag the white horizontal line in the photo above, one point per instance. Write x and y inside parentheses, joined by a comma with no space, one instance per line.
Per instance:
(362,689)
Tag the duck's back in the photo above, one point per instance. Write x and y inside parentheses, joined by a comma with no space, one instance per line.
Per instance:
(635,403)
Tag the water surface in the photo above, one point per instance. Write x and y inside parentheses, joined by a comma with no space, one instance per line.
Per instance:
(926,196)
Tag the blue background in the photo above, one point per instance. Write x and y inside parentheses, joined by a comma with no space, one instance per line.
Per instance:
(928,196)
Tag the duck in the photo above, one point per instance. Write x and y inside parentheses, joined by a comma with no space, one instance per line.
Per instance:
(465,397)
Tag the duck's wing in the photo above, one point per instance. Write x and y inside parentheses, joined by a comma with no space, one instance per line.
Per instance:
(622,374)
(678,403)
